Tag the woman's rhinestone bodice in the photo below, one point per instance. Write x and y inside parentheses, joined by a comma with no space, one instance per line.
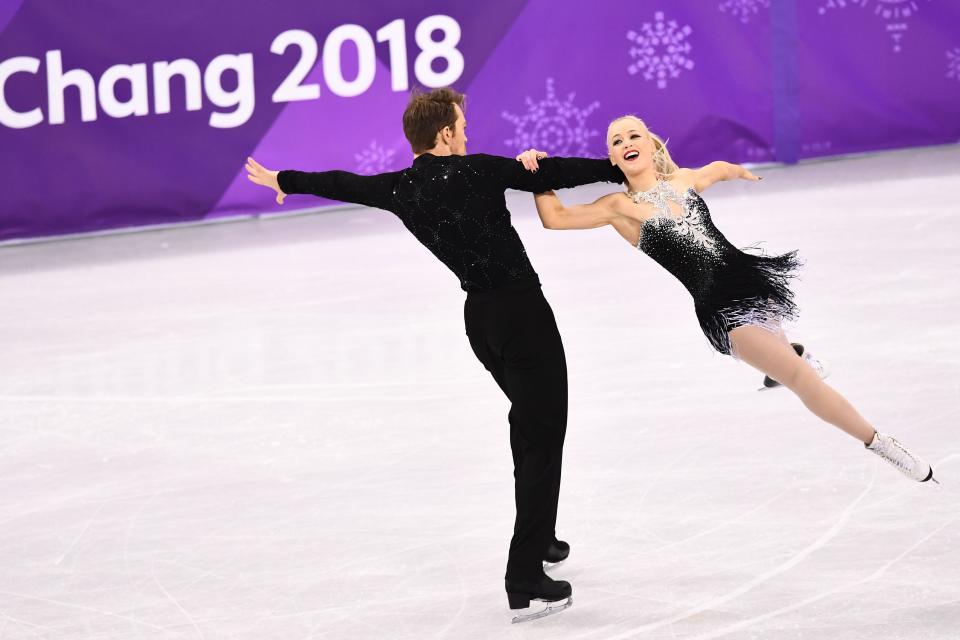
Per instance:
(691,221)
(682,238)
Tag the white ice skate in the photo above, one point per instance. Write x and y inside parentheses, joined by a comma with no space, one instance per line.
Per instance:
(911,465)
(822,367)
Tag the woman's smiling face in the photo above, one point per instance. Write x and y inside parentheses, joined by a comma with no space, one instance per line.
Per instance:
(629,144)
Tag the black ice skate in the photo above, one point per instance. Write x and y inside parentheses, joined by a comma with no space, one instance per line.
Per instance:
(544,589)
(556,554)
(821,367)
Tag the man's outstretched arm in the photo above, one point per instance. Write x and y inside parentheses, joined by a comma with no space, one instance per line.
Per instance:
(372,191)
(554,173)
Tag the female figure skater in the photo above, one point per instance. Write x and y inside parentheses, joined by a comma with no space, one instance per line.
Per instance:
(740,298)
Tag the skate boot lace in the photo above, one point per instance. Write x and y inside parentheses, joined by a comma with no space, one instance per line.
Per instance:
(895,453)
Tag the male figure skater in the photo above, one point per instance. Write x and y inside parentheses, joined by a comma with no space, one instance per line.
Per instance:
(454,204)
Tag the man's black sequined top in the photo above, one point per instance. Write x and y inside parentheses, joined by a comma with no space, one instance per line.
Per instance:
(455,206)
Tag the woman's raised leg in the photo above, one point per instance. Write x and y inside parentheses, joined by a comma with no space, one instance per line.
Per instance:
(772,354)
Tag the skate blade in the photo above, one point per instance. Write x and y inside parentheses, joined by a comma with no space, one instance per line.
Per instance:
(547,566)
(552,608)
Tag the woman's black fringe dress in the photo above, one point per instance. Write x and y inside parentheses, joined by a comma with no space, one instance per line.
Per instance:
(730,287)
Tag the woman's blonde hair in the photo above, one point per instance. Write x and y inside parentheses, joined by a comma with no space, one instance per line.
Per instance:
(662,162)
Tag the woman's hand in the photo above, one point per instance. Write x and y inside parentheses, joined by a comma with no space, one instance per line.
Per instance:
(746,175)
(529,159)
(258,174)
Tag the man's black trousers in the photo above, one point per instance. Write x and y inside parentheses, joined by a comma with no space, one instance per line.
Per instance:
(513,332)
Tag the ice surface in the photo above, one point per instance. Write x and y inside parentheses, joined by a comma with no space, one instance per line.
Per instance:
(277,429)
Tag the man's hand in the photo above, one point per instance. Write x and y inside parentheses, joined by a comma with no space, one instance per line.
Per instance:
(529,159)
(258,174)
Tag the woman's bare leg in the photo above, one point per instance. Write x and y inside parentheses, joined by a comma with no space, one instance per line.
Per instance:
(782,335)
(772,354)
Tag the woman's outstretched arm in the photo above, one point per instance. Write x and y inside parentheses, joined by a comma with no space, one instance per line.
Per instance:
(718,171)
(554,215)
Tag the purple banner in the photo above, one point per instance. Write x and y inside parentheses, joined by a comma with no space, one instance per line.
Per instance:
(117,114)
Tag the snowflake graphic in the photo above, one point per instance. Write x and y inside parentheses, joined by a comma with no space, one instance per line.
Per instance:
(374,159)
(953,64)
(553,125)
(894,13)
(745,9)
(660,50)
